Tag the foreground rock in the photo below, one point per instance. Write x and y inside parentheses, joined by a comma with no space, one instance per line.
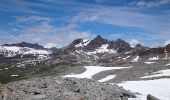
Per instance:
(53,88)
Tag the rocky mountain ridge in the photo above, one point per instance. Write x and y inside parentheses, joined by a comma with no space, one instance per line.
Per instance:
(108,63)
(80,52)
(100,50)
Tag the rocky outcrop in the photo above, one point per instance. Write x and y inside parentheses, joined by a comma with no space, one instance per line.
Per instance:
(150,97)
(53,88)
(167,47)
(119,45)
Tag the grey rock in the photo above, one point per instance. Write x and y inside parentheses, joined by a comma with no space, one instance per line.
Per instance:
(150,97)
(58,88)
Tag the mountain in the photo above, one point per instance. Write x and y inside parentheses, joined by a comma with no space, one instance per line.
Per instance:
(92,45)
(98,59)
(80,52)
(83,51)
(24,44)
(100,51)
(11,50)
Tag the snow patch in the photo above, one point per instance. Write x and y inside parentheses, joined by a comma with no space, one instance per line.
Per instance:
(126,57)
(102,49)
(159,88)
(135,59)
(159,74)
(6,68)
(107,78)
(154,58)
(14,75)
(149,62)
(83,44)
(167,64)
(92,70)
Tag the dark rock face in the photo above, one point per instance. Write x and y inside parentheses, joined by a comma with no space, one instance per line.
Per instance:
(139,46)
(167,48)
(150,97)
(77,41)
(54,49)
(119,45)
(96,43)
(24,44)
(158,51)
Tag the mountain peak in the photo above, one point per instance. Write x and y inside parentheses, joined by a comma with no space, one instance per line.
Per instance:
(119,40)
(75,42)
(138,46)
(99,36)
(99,39)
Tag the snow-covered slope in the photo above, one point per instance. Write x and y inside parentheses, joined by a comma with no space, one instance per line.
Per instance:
(83,43)
(103,49)
(11,51)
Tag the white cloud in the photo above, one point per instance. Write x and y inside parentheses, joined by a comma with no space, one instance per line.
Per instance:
(167,42)
(134,42)
(152,26)
(150,3)
(123,17)
(47,35)
(29,19)
(49,45)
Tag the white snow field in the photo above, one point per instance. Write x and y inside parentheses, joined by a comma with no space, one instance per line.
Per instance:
(107,78)
(92,70)
(159,74)
(10,51)
(159,88)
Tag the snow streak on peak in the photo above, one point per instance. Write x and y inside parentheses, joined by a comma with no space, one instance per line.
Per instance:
(103,49)
(83,43)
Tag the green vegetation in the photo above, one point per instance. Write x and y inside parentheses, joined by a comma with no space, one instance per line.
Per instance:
(5,74)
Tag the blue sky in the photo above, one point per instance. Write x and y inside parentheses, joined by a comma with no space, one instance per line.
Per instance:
(58,22)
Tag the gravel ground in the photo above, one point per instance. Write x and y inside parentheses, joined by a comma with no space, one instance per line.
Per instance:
(57,88)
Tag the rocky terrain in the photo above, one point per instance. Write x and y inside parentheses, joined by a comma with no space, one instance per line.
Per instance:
(55,88)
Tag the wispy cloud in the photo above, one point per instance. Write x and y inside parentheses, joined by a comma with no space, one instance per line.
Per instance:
(128,17)
(47,35)
(38,21)
(123,17)
(32,18)
(22,6)
(149,3)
